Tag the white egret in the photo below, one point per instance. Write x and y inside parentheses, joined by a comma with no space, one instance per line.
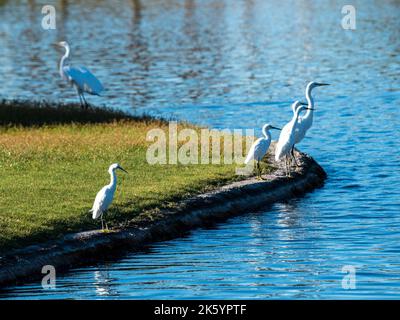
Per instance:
(287,137)
(260,147)
(306,121)
(81,78)
(105,196)
(294,106)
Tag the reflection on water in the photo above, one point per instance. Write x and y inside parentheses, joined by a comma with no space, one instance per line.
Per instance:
(214,62)
(103,283)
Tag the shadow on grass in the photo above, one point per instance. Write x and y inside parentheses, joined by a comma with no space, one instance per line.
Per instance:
(37,113)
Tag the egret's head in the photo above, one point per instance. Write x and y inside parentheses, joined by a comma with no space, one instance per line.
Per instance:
(268,126)
(297,104)
(116,166)
(62,44)
(302,108)
(314,84)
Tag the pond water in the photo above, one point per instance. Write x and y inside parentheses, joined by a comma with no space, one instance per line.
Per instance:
(214,62)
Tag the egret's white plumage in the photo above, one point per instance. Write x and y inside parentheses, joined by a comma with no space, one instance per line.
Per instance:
(260,147)
(80,77)
(287,137)
(305,122)
(105,196)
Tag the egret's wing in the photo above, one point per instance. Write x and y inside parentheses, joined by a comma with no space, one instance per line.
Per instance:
(285,130)
(250,154)
(261,149)
(100,202)
(257,150)
(74,75)
(300,130)
(84,79)
(283,141)
(93,84)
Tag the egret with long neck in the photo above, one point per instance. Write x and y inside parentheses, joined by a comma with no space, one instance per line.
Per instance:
(287,136)
(81,78)
(63,58)
(306,121)
(105,196)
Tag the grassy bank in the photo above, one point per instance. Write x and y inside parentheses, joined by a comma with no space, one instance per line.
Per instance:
(52,165)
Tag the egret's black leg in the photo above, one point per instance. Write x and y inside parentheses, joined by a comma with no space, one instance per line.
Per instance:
(105,222)
(294,157)
(80,97)
(86,104)
(285,162)
(80,100)
(256,169)
(102,223)
(287,166)
(259,169)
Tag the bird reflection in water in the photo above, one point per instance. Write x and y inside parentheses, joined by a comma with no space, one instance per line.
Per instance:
(288,214)
(103,283)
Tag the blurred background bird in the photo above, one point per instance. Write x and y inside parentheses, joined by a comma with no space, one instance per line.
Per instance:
(80,77)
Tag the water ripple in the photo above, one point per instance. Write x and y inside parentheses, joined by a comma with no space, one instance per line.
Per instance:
(213,63)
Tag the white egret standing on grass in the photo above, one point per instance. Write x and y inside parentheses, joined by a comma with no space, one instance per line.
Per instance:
(287,137)
(306,121)
(81,78)
(260,147)
(105,196)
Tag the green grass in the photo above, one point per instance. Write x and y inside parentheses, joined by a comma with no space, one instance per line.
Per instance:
(50,173)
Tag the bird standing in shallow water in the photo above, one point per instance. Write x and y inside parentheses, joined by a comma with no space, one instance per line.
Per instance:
(105,196)
(260,147)
(81,78)
(287,137)
(305,122)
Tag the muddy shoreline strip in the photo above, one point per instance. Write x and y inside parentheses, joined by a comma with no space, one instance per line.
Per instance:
(86,247)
